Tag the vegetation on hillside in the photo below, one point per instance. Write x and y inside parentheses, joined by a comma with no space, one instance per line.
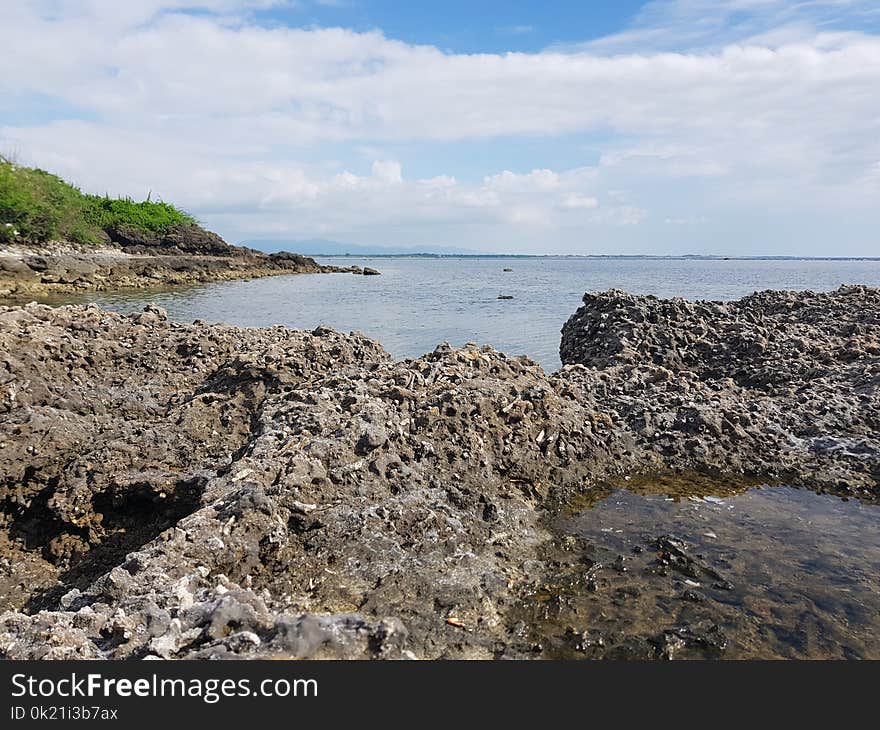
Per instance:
(36,207)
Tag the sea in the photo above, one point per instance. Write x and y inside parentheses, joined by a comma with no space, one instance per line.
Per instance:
(419,302)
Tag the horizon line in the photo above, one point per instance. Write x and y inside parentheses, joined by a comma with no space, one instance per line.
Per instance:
(710,257)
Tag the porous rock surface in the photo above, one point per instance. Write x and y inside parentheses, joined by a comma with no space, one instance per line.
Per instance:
(205,491)
(779,384)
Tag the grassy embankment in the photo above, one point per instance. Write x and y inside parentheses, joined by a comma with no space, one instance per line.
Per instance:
(36,207)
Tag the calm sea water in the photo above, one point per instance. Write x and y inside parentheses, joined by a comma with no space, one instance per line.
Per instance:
(417,303)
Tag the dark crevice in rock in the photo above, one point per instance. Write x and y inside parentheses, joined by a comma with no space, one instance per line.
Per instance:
(130,520)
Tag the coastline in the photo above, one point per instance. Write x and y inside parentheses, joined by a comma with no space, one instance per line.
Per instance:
(55,239)
(210,491)
(62,269)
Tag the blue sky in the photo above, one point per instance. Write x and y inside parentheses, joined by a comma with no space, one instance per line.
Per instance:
(665,127)
(468,27)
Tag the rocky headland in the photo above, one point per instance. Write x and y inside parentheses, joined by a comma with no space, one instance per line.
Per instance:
(204,491)
(55,239)
(135,259)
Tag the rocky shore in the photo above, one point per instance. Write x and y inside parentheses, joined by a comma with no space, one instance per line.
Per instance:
(205,491)
(779,385)
(131,258)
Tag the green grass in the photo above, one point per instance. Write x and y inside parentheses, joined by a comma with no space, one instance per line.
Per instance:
(36,207)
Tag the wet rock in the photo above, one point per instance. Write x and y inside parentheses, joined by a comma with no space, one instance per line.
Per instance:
(705,636)
(693,596)
(632,648)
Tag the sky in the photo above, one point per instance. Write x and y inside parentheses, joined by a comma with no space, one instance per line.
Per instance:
(727,127)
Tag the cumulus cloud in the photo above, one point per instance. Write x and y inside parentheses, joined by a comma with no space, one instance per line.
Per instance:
(223,115)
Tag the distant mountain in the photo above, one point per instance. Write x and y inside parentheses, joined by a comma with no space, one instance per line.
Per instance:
(322,247)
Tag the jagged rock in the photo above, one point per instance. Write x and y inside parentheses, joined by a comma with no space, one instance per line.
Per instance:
(777,384)
(195,491)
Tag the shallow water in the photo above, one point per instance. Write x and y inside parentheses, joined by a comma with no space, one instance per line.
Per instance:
(696,568)
(418,303)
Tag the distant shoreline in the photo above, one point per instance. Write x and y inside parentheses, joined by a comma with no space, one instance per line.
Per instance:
(636,257)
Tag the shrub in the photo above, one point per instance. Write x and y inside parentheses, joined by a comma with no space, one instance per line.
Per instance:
(106,213)
(36,207)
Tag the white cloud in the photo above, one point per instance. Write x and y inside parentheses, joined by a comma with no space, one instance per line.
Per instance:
(387,171)
(535,180)
(576,201)
(710,25)
(668,161)
(215,111)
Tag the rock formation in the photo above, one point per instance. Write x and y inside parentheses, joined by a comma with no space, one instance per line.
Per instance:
(199,491)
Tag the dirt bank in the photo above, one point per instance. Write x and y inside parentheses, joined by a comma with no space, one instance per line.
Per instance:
(209,491)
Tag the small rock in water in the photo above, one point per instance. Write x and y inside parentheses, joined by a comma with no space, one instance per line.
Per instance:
(693,596)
